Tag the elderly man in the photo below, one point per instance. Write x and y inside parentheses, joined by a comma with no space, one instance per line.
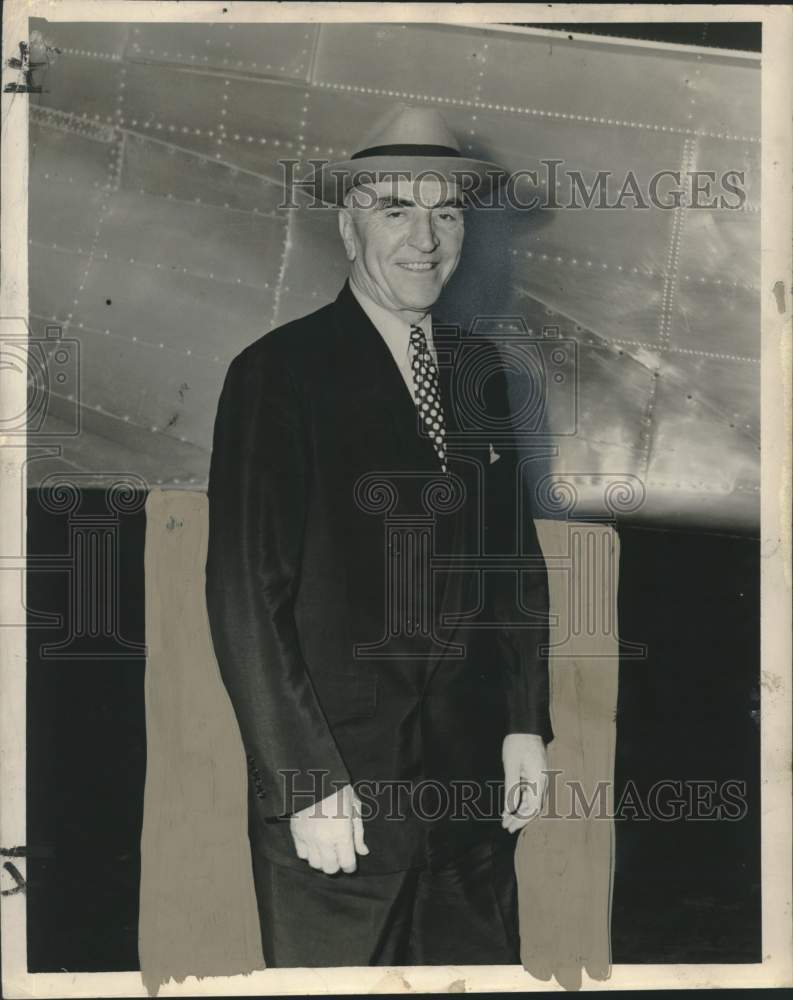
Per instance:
(376,592)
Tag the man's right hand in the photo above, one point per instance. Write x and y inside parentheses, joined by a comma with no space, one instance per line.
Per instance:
(329,833)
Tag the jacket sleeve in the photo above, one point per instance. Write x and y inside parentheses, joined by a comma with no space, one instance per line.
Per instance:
(520,602)
(258,500)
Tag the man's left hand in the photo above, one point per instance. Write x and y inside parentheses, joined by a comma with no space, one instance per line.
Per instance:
(525,779)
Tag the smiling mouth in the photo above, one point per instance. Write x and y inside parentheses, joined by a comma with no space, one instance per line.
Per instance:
(418,266)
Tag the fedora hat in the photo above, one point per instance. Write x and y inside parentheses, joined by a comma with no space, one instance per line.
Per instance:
(412,141)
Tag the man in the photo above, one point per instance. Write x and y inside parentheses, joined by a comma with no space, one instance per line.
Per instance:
(384,683)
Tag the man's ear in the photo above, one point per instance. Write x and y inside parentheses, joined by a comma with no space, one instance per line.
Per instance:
(346,230)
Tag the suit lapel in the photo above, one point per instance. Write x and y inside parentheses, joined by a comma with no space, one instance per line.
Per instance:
(371,377)
(376,394)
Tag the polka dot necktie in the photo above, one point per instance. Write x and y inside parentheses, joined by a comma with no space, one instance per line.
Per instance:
(427,395)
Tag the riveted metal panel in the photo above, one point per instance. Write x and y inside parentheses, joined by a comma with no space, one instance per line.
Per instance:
(159,146)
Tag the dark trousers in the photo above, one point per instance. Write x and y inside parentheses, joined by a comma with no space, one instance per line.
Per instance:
(462,914)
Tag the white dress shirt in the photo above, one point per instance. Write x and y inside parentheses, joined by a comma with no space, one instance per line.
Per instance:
(395,331)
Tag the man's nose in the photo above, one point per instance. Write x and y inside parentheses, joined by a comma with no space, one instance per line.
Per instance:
(422,233)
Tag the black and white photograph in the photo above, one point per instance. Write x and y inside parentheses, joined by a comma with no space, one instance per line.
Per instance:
(396,498)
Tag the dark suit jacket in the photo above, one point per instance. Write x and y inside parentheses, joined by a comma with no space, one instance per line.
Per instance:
(324,499)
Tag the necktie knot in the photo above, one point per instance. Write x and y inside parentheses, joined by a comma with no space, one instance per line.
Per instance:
(418,338)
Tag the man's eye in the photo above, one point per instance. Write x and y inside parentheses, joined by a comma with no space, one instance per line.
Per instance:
(449,216)
(394,214)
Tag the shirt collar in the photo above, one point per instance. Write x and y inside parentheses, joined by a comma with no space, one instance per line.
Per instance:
(394,330)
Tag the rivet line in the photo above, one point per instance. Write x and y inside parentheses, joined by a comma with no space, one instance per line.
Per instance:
(188,353)
(673,253)
(535,112)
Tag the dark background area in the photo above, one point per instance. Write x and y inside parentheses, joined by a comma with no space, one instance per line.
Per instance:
(86,766)
(684,892)
(688,891)
(743,35)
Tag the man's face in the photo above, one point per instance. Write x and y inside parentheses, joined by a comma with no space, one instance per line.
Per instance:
(403,240)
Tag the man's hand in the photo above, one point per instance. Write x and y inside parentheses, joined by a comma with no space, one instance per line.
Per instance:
(525,779)
(329,833)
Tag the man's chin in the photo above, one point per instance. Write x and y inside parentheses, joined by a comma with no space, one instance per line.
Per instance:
(420,301)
